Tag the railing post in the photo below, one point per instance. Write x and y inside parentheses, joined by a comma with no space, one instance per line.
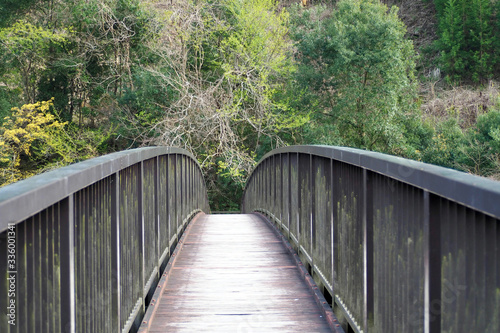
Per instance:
(159,251)
(368,315)
(115,253)
(273,188)
(299,206)
(281,192)
(196,187)
(173,208)
(67,225)
(183,192)
(78,231)
(432,264)
(257,202)
(190,186)
(333,218)
(289,197)
(312,209)
(140,204)
(167,208)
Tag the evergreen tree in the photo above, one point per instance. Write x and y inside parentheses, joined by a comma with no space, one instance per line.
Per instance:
(452,41)
(468,38)
(496,36)
(481,39)
(440,6)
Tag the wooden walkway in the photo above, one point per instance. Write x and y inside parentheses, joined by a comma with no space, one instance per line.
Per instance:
(233,274)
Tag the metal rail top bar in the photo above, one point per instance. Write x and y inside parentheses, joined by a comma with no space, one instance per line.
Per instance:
(25,198)
(476,192)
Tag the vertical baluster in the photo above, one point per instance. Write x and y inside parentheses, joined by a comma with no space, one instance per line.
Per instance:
(115,253)
(368,313)
(67,265)
(432,263)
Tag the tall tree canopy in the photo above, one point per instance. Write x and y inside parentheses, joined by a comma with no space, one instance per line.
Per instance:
(202,75)
(359,67)
(231,79)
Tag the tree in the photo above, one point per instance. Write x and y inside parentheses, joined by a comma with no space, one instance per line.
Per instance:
(452,41)
(25,47)
(97,64)
(207,76)
(467,39)
(29,137)
(12,9)
(34,139)
(356,62)
(223,65)
(482,40)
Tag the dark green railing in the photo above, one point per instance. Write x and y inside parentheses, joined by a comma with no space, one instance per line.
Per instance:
(82,247)
(396,245)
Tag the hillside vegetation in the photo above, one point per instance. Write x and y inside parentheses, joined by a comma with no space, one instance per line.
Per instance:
(231,79)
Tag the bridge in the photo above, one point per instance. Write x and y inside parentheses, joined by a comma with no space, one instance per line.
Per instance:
(330,239)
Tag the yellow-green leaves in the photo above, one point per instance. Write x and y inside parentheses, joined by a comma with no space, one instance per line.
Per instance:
(30,129)
(23,38)
(24,47)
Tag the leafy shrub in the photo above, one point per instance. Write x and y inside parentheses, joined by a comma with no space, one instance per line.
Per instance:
(33,139)
(481,154)
(445,146)
(30,137)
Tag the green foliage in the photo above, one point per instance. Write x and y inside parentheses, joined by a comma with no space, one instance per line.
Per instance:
(482,39)
(418,136)
(224,66)
(357,62)
(10,10)
(474,149)
(207,76)
(452,41)
(30,136)
(224,80)
(444,148)
(496,33)
(9,98)
(33,139)
(226,194)
(468,41)
(440,6)
(25,48)
(255,62)
(481,154)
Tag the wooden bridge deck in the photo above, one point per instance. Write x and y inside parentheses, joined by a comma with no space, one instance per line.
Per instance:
(233,274)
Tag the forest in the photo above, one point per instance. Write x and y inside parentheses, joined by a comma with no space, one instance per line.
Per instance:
(229,80)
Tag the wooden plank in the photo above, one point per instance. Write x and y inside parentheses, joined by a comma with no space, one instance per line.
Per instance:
(233,274)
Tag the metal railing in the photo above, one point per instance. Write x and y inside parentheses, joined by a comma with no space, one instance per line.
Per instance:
(82,247)
(397,245)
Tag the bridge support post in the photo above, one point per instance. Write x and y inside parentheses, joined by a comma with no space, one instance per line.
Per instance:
(157,215)
(368,314)
(67,225)
(115,253)
(140,197)
(432,264)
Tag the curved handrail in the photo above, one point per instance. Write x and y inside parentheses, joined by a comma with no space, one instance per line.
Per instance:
(397,245)
(476,192)
(22,199)
(85,244)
